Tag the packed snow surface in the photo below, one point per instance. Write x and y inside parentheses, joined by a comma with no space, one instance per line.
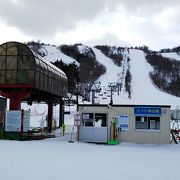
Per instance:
(56,158)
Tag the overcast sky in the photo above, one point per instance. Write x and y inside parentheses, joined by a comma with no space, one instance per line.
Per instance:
(155,23)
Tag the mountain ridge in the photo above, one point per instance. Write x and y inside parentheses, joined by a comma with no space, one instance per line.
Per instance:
(52,53)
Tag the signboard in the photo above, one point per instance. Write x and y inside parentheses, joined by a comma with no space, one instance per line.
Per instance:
(77,119)
(149,111)
(85,116)
(26,121)
(123,122)
(77,122)
(13,121)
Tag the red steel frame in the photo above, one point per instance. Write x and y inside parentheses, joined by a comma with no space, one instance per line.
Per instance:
(17,96)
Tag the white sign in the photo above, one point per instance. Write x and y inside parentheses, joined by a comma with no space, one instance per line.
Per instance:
(77,122)
(77,119)
(123,122)
(26,121)
(85,116)
(13,121)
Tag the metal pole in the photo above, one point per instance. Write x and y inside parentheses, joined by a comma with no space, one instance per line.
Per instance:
(61,114)
(111,101)
(118,89)
(50,116)
(77,100)
(93,96)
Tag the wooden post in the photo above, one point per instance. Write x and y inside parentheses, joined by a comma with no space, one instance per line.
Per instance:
(78,132)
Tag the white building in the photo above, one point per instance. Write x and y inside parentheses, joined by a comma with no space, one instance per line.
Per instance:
(149,124)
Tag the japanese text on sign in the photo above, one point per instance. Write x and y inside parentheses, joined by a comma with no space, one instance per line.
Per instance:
(147,111)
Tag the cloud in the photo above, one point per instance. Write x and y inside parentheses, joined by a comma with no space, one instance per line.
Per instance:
(107,39)
(169,19)
(137,21)
(48,17)
(83,32)
(13,34)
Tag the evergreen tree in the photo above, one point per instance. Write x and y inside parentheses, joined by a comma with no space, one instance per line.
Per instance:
(128,79)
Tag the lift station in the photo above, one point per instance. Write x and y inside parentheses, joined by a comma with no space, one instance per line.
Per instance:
(26,76)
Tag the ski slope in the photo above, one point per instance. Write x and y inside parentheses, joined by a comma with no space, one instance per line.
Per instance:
(111,69)
(172,55)
(143,89)
(53,54)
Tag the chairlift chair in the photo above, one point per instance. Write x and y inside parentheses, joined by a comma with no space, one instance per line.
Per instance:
(104,97)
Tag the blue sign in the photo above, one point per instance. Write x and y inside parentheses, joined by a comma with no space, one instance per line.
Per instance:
(154,111)
(13,121)
(123,122)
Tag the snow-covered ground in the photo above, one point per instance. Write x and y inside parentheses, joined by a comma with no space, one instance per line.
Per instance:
(172,55)
(53,54)
(56,158)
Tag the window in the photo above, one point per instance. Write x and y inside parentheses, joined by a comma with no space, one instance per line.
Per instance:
(94,119)
(2,62)
(11,76)
(11,62)
(100,120)
(87,119)
(147,123)
(2,77)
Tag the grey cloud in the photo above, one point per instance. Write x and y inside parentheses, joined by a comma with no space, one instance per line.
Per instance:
(109,39)
(147,7)
(47,17)
(41,18)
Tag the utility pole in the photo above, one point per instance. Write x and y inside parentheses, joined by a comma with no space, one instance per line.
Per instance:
(77,93)
(112,89)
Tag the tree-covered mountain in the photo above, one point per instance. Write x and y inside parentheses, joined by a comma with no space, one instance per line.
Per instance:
(85,69)
(165,74)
